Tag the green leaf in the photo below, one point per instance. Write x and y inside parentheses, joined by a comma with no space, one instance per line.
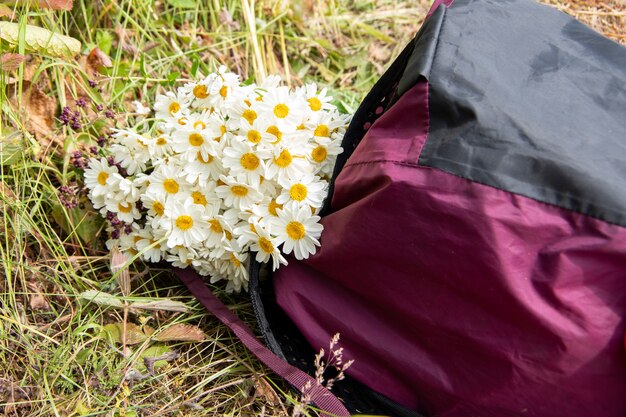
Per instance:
(104,40)
(375,33)
(85,222)
(154,351)
(183,4)
(40,40)
(114,332)
(195,65)
(102,298)
(11,147)
(172,77)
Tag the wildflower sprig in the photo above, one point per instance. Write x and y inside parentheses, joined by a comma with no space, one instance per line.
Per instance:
(223,169)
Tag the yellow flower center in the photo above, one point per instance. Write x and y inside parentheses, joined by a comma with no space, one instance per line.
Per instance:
(295,230)
(250,115)
(196,139)
(273,206)
(182,121)
(199,124)
(199,198)
(201,158)
(284,159)
(200,91)
(102,178)
(234,260)
(184,222)
(315,104)
(319,154)
(239,190)
(170,185)
(124,209)
(266,245)
(273,130)
(254,136)
(174,107)
(281,111)
(247,102)
(229,235)
(161,141)
(216,227)
(224,91)
(300,127)
(249,161)
(322,131)
(298,192)
(158,208)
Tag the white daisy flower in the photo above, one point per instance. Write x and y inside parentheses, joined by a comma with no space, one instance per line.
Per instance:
(203,168)
(197,136)
(140,108)
(185,223)
(309,190)
(155,205)
(285,165)
(322,153)
(264,245)
(126,211)
(317,101)
(99,176)
(160,146)
(131,151)
(241,159)
(287,109)
(167,180)
(323,124)
(171,106)
(297,230)
(149,245)
(236,192)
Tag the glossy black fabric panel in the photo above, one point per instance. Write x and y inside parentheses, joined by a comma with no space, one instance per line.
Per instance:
(526,99)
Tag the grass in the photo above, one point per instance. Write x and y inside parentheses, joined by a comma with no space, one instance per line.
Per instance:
(57,356)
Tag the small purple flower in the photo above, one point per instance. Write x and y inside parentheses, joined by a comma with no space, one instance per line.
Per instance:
(99,107)
(128,229)
(110,216)
(109,114)
(115,221)
(93,150)
(66,115)
(81,102)
(92,83)
(115,234)
(102,141)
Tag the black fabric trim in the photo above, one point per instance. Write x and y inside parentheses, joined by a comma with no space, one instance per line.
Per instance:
(528,100)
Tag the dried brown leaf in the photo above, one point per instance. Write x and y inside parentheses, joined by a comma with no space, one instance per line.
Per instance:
(98,60)
(379,52)
(56,4)
(118,262)
(36,299)
(181,333)
(10,62)
(6,11)
(263,389)
(38,111)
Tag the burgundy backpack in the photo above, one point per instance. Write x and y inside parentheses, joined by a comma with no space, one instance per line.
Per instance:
(473,257)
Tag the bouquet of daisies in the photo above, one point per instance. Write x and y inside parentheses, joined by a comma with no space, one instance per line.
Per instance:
(222,172)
